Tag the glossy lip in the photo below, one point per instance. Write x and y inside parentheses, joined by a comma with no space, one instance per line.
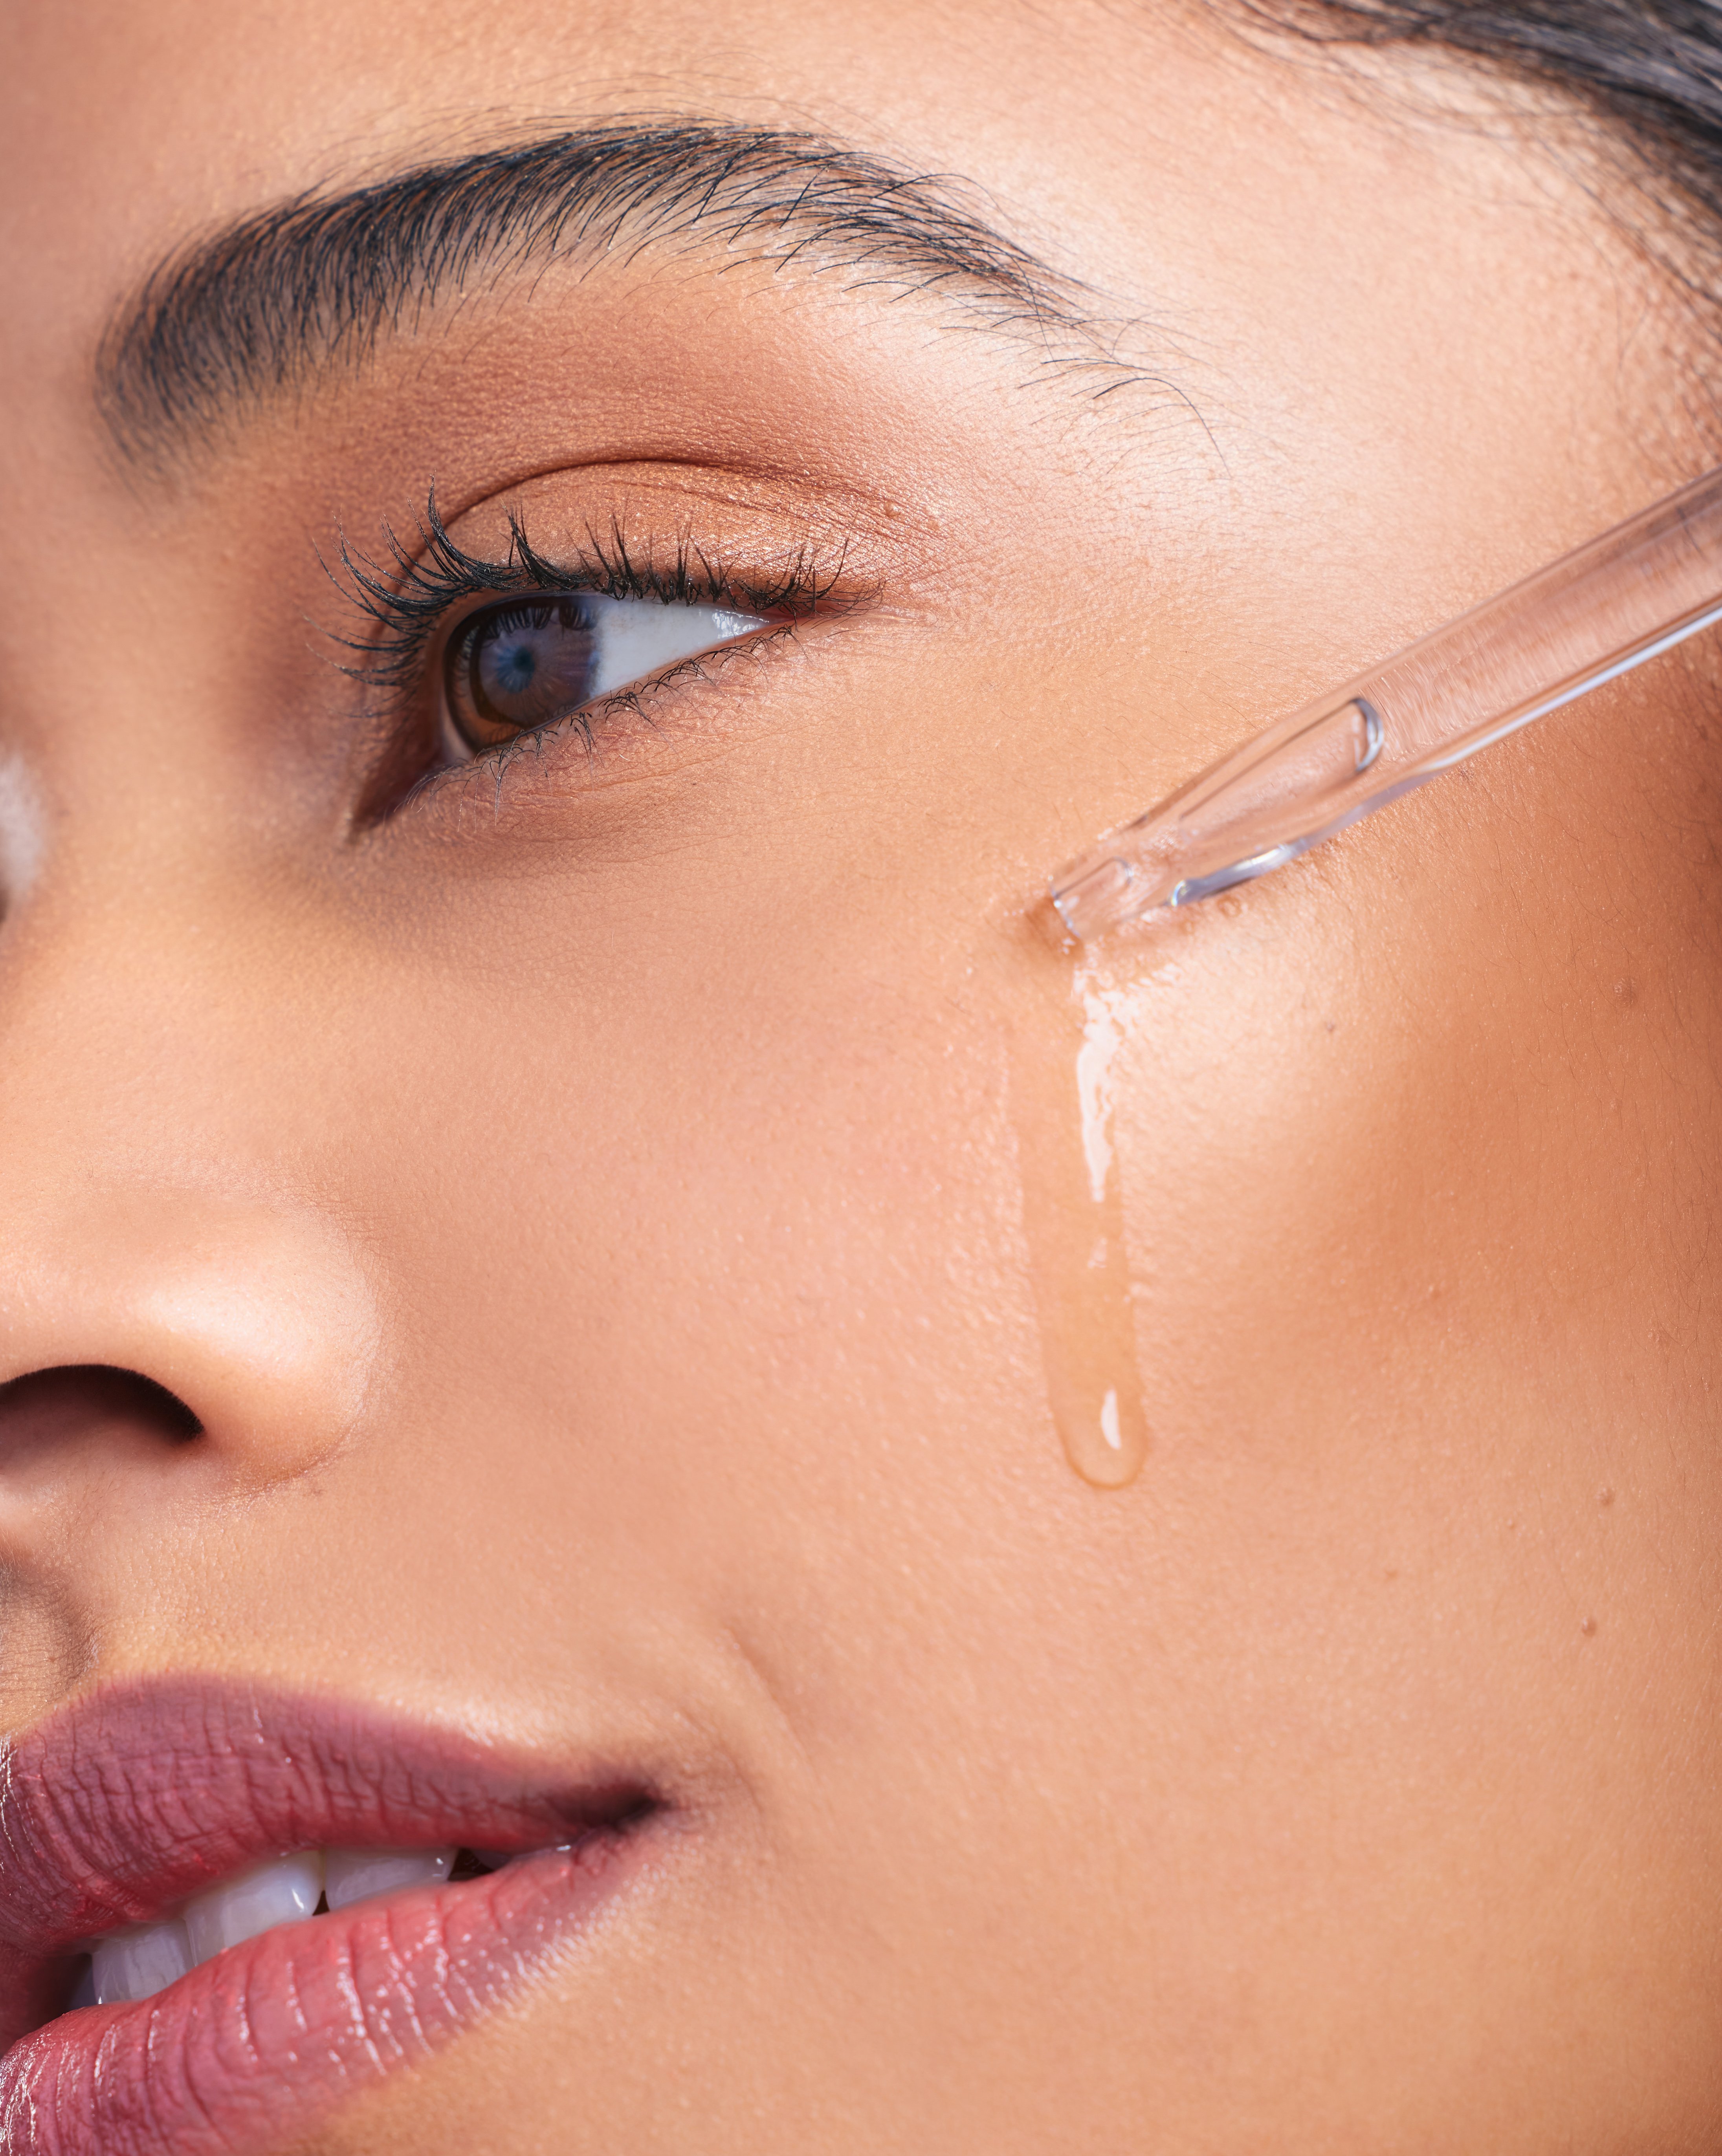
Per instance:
(115,1809)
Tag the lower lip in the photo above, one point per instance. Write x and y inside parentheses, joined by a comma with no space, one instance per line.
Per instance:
(267,2037)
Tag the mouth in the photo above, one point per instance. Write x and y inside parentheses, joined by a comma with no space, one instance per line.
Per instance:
(222,1912)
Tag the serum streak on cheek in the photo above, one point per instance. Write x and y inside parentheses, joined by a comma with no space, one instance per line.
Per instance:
(1063,1079)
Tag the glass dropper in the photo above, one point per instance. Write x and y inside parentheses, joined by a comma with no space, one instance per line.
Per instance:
(1591,616)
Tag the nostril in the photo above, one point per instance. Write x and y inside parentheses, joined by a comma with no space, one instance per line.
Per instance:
(45,1404)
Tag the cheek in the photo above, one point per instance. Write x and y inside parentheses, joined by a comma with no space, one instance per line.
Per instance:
(733,1241)
(1411,1188)
(1409,1133)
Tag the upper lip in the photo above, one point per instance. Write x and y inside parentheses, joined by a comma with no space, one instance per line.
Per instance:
(118,1807)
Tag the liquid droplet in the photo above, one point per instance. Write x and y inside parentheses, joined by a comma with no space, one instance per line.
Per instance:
(1064,1081)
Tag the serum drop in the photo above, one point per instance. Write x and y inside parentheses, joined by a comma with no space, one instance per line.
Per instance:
(1073,1210)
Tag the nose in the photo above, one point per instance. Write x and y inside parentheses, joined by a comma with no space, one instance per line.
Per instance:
(253,1315)
(161,1207)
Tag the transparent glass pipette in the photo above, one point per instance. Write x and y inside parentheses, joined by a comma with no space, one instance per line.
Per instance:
(1591,616)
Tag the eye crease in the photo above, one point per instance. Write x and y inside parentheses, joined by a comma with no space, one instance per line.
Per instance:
(522,663)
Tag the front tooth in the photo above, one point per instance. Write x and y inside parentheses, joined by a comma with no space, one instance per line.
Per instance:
(354,1875)
(138,1963)
(257,1901)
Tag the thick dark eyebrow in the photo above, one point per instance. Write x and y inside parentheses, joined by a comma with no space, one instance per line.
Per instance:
(271,300)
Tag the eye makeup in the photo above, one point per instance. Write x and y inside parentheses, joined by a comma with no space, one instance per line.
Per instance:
(486,652)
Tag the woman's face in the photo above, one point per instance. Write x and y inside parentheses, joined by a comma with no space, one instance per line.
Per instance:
(581,1192)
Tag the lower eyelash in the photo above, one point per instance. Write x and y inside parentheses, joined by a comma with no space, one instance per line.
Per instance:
(498,760)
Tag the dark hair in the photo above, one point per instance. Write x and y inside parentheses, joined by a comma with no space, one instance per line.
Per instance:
(1653,68)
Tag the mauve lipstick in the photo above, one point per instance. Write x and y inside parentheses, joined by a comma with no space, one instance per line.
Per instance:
(115,1810)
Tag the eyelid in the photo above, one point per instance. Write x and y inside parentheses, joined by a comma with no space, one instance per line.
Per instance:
(415,598)
(408,599)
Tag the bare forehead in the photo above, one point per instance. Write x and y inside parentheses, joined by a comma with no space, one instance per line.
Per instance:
(1077,182)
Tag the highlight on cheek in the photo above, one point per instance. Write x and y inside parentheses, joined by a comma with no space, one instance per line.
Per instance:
(1064,1080)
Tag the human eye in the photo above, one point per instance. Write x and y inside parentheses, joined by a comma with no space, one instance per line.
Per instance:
(527,662)
(472,654)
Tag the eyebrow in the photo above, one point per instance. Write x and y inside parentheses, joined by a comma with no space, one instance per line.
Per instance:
(268,302)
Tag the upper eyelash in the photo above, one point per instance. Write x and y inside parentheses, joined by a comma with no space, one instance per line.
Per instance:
(409,598)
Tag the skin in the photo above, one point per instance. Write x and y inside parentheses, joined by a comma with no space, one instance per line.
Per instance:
(587,1213)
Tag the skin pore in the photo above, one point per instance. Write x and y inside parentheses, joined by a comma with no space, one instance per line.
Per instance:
(580,1200)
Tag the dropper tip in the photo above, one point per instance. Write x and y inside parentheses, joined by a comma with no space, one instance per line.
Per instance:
(1047,926)
(1097,899)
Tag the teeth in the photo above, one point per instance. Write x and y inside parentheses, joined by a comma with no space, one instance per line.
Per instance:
(138,1963)
(278,1893)
(146,1958)
(355,1875)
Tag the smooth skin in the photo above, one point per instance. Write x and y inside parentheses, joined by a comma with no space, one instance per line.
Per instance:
(584,1208)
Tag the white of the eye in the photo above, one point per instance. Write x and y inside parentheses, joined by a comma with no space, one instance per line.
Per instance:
(635,638)
(640,637)
(23,829)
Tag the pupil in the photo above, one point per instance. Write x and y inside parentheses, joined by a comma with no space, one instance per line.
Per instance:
(529,663)
(514,666)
